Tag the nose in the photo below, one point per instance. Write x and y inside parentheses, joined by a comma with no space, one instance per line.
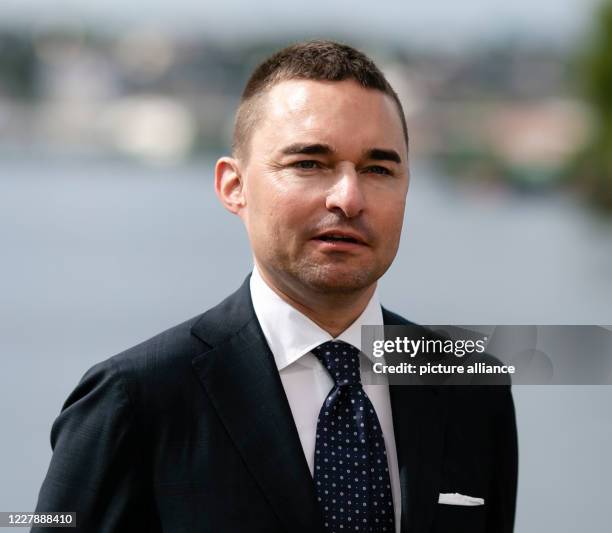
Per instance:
(346,194)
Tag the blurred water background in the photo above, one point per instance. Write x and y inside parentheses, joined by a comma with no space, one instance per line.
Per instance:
(111,120)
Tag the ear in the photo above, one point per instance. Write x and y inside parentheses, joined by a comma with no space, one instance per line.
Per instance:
(229,184)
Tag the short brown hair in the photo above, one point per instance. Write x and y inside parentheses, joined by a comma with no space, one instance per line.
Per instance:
(310,60)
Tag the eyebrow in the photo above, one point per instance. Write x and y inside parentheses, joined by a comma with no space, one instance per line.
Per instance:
(377,154)
(380,154)
(307,149)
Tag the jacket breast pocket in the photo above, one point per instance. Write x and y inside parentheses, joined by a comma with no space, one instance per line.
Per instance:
(459,518)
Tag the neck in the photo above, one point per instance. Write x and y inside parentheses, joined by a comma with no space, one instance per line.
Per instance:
(332,312)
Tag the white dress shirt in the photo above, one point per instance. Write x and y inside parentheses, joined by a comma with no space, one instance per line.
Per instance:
(291,337)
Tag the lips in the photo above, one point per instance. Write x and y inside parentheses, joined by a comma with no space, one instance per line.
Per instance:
(338,236)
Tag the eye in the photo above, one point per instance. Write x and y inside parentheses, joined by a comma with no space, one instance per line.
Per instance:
(377,169)
(306,164)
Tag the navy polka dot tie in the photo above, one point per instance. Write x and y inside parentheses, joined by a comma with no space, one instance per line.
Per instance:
(351,472)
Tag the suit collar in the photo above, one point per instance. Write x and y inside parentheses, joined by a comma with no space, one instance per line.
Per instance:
(290,334)
(233,313)
(240,376)
(218,324)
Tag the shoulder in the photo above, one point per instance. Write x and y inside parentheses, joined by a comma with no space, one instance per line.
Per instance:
(163,363)
(393,319)
(128,380)
(160,352)
(181,343)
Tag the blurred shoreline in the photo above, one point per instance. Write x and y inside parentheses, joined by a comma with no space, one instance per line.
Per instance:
(505,112)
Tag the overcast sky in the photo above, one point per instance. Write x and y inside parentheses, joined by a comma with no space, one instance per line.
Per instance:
(428,21)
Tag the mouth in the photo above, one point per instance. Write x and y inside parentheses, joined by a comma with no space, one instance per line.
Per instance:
(340,238)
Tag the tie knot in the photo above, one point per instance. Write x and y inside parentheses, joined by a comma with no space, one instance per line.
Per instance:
(341,361)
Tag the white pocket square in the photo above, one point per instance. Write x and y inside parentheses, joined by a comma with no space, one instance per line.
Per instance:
(459,499)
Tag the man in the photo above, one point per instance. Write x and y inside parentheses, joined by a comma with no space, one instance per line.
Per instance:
(254,416)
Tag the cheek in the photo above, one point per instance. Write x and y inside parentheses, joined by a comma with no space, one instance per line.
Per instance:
(390,221)
(389,206)
(279,215)
(284,201)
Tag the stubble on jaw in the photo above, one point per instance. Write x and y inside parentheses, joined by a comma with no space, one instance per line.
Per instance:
(329,279)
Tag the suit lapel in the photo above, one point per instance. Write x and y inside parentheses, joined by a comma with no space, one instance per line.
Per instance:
(418,420)
(419,414)
(240,377)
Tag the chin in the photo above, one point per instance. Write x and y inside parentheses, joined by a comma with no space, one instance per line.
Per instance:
(334,279)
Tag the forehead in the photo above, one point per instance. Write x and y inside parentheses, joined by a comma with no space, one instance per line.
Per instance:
(342,114)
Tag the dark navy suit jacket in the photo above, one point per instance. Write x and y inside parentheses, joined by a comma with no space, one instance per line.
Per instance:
(191,431)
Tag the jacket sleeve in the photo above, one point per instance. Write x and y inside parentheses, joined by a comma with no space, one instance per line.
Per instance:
(95,468)
(502,509)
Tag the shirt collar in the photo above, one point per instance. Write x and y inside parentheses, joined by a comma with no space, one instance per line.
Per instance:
(291,334)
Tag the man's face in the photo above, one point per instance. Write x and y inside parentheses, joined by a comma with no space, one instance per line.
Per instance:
(325,185)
